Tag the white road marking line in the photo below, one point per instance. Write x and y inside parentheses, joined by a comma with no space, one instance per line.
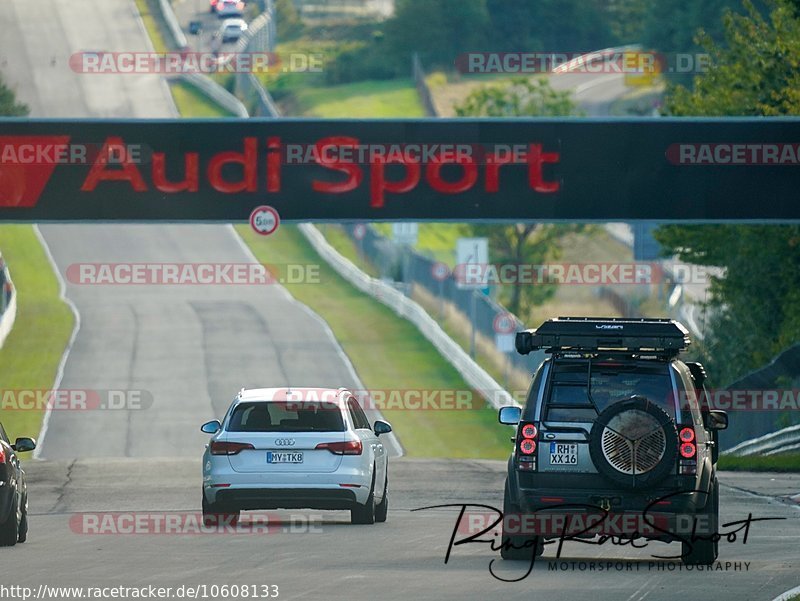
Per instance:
(60,372)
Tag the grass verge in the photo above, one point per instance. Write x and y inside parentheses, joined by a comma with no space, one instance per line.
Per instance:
(31,353)
(389,353)
(193,103)
(152,20)
(376,99)
(788,462)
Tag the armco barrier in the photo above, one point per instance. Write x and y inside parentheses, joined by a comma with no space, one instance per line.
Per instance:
(472,373)
(216,92)
(204,84)
(174,27)
(8,317)
(787,439)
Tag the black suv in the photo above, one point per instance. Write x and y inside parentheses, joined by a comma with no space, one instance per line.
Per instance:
(614,424)
(13,490)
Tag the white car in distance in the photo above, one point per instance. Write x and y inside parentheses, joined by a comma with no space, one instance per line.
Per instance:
(231,30)
(295,448)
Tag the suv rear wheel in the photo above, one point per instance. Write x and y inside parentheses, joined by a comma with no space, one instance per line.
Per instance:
(705,552)
(517,546)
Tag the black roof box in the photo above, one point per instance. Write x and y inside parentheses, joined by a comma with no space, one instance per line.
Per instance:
(663,336)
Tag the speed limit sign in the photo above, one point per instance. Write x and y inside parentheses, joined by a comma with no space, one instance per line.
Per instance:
(264,220)
(440,271)
(504,323)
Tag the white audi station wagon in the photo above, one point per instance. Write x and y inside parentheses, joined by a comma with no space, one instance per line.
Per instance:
(290,448)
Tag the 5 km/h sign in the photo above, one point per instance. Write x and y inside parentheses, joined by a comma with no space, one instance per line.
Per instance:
(407,170)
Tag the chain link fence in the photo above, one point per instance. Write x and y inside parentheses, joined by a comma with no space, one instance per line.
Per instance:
(259,38)
(404,265)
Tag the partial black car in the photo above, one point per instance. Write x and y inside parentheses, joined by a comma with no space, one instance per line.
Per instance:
(13,490)
(614,421)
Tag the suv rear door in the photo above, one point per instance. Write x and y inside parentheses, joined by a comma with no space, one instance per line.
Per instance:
(569,405)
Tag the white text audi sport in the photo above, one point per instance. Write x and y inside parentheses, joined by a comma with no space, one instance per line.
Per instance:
(295,448)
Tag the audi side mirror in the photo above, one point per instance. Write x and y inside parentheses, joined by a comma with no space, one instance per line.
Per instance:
(211,427)
(717,420)
(382,427)
(509,415)
(24,445)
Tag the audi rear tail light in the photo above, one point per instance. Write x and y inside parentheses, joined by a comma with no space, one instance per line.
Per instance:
(219,447)
(2,455)
(348,447)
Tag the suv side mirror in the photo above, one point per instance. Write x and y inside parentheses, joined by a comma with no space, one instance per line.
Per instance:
(717,420)
(509,415)
(24,445)
(382,427)
(211,427)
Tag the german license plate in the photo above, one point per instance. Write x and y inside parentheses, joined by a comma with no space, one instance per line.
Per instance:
(563,454)
(284,457)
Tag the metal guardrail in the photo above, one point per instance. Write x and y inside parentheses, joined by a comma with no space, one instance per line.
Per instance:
(203,83)
(259,38)
(172,24)
(406,308)
(787,439)
(592,57)
(8,302)
(216,92)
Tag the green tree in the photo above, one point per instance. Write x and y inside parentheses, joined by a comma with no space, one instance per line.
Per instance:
(755,306)
(287,20)
(439,31)
(521,96)
(9,107)
(521,243)
(672,26)
(626,19)
(755,72)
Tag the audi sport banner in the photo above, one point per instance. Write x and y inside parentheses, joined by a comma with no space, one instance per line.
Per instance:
(409,170)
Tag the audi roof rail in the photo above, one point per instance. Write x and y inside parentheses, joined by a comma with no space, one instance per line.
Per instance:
(660,336)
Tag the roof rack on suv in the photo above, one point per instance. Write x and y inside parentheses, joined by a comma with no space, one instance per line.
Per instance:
(661,336)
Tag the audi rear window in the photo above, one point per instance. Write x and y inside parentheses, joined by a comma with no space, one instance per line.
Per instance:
(568,399)
(289,416)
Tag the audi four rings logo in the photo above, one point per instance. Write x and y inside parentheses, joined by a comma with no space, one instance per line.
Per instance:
(285,442)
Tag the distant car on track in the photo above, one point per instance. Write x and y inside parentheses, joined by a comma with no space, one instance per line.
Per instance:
(229,8)
(13,490)
(231,30)
(295,448)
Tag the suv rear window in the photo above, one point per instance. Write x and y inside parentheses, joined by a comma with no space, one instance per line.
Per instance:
(568,398)
(306,416)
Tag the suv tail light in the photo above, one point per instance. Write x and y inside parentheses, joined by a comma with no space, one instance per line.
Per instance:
(219,447)
(687,448)
(348,447)
(527,436)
